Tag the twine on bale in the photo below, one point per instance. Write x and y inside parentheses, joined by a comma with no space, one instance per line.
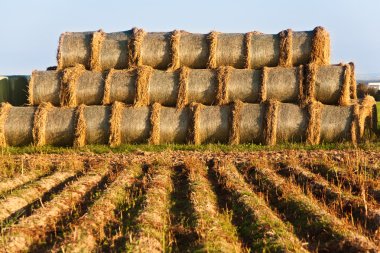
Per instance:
(134,48)
(183,87)
(286,48)
(142,85)
(107,87)
(115,124)
(175,38)
(69,81)
(309,89)
(270,122)
(313,131)
(263,86)
(155,124)
(39,123)
(344,98)
(234,137)
(193,132)
(301,85)
(223,76)
(60,65)
(360,113)
(81,127)
(353,91)
(212,38)
(4,111)
(320,49)
(96,47)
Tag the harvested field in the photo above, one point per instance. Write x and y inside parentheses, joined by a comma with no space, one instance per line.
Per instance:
(184,201)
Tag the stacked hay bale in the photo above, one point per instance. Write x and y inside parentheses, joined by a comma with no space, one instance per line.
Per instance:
(133,87)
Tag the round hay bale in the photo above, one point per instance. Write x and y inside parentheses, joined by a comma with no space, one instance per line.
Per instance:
(268,123)
(163,50)
(146,86)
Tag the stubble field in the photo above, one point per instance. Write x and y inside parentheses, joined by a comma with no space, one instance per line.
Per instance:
(186,201)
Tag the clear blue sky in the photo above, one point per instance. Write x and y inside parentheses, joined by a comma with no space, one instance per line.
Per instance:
(30,29)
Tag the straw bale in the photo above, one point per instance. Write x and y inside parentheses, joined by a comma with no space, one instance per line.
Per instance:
(183,87)
(161,50)
(224,74)
(142,85)
(286,46)
(147,86)
(320,51)
(194,129)
(155,124)
(80,129)
(4,111)
(313,130)
(115,124)
(174,46)
(234,137)
(39,124)
(353,90)
(68,92)
(344,99)
(135,48)
(213,44)
(268,123)
(96,46)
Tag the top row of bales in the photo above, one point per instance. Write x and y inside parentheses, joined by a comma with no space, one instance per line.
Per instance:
(101,51)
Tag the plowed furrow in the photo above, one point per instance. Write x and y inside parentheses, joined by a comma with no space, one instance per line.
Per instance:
(312,221)
(14,204)
(36,229)
(89,230)
(260,227)
(11,184)
(151,234)
(345,204)
(358,185)
(215,230)
(182,213)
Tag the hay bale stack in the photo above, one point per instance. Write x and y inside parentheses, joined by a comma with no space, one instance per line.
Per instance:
(327,84)
(122,50)
(268,123)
